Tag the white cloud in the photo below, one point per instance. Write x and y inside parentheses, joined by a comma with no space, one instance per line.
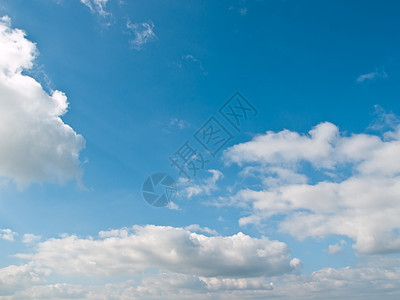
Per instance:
(128,252)
(359,198)
(36,145)
(7,234)
(97,6)
(372,76)
(142,33)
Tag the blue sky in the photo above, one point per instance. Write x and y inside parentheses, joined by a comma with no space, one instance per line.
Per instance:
(97,95)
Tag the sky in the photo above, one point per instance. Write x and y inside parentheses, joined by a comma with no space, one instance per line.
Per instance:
(234,149)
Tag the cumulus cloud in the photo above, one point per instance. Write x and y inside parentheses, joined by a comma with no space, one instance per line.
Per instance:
(357,196)
(130,251)
(142,33)
(36,145)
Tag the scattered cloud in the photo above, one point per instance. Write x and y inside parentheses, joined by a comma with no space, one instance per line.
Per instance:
(36,144)
(358,198)
(7,234)
(372,76)
(181,124)
(142,33)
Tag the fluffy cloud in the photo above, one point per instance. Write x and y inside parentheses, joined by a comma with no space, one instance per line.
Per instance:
(142,33)
(128,252)
(287,147)
(356,197)
(36,145)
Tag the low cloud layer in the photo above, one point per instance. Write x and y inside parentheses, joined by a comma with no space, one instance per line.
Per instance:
(368,280)
(128,252)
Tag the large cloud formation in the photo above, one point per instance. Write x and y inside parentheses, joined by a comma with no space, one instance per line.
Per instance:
(325,183)
(129,252)
(35,144)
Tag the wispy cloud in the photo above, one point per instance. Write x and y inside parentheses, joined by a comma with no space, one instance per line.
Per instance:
(372,76)
(181,124)
(189,58)
(97,6)
(142,33)
(384,120)
(241,8)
